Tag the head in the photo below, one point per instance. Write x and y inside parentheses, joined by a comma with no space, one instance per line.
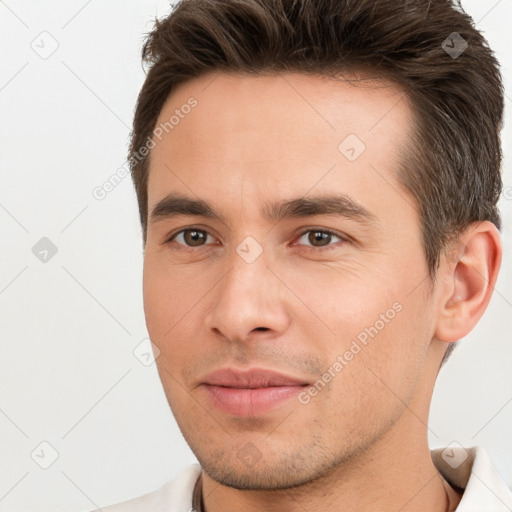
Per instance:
(317,184)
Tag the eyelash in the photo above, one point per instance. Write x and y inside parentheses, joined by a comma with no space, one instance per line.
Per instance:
(184,247)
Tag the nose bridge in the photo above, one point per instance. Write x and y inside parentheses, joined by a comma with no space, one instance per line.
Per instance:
(248,269)
(247,297)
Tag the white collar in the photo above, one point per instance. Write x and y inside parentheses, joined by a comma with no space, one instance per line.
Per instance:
(471,469)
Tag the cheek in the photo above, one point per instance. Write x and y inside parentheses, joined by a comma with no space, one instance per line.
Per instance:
(174,300)
(169,294)
(376,377)
(156,302)
(369,322)
(342,300)
(390,363)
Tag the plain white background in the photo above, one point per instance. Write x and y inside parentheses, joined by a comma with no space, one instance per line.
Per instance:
(70,325)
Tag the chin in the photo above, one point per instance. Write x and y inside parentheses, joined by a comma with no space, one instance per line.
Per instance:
(289,472)
(249,480)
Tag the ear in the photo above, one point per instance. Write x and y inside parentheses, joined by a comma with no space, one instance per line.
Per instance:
(470,272)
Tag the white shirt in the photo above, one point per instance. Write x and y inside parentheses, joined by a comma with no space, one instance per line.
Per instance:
(484,489)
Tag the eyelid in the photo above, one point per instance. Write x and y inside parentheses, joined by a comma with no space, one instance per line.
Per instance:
(170,238)
(342,237)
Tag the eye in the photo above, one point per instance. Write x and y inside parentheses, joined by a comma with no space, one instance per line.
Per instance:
(319,238)
(190,237)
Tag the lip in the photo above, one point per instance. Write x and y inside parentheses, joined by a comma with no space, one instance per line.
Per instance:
(253,378)
(252,392)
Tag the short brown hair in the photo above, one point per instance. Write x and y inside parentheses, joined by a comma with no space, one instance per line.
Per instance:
(452,164)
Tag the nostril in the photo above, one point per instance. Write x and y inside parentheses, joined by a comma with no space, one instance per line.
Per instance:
(261,329)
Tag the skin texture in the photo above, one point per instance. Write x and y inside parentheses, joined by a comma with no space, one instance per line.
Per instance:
(361,442)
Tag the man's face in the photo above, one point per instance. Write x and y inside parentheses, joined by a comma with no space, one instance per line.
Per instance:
(337,303)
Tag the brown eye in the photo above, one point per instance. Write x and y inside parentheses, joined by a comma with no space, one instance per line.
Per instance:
(194,237)
(190,237)
(319,238)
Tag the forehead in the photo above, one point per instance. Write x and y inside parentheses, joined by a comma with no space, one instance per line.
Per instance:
(277,134)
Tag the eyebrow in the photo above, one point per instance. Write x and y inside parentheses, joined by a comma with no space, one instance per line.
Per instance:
(327,204)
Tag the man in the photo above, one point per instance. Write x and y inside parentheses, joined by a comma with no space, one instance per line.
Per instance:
(317,183)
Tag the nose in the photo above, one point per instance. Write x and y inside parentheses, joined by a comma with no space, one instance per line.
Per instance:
(249,302)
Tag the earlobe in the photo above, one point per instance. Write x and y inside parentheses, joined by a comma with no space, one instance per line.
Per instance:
(472,276)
